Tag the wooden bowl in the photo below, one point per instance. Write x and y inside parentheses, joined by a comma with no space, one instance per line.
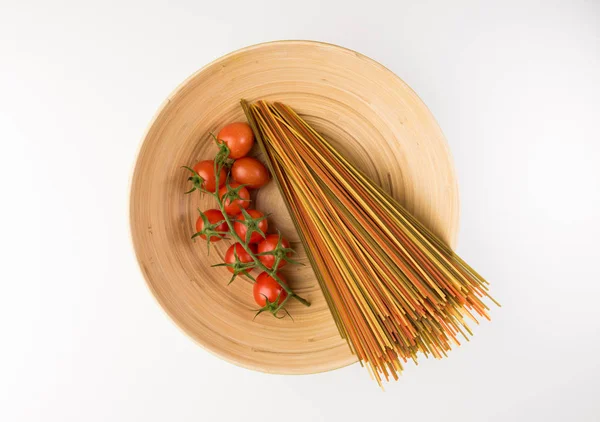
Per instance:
(372,116)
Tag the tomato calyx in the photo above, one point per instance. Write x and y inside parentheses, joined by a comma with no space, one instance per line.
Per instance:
(280,253)
(252,225)
(233,194)
(197,181)
(222,158)
(273,308)
(238,267)
(209,230)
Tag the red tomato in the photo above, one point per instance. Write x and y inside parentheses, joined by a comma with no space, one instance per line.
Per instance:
(233,208)
(269,244)
(206,170)
(241,229)
(249,171)
(213,216)
(266,287)
(242,255)
(238,137)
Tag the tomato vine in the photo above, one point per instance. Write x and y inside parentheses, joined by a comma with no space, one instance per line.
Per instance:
(280,252)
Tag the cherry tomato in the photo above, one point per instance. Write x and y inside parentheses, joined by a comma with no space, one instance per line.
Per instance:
(249,171)
(242,255)
(238,137)
(213,216)
(241,229)
(266,287)
(268,244)
(234,207)
(206,170)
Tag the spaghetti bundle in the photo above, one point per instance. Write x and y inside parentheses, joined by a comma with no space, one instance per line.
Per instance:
(393,288)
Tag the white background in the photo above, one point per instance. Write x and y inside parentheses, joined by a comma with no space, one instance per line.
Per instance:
(516,88)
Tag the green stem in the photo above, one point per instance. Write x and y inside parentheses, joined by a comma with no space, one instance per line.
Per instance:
(246,247)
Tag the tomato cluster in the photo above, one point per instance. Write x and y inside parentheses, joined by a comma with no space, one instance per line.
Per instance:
(254,247)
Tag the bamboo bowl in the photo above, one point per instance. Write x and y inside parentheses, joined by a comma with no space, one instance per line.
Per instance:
(369,113)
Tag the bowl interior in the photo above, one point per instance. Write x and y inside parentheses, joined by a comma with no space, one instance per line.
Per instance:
(374,119)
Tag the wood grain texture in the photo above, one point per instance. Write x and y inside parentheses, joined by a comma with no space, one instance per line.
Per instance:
(371,115)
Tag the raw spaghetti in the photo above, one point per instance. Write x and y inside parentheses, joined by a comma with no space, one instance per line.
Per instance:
(393,288)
